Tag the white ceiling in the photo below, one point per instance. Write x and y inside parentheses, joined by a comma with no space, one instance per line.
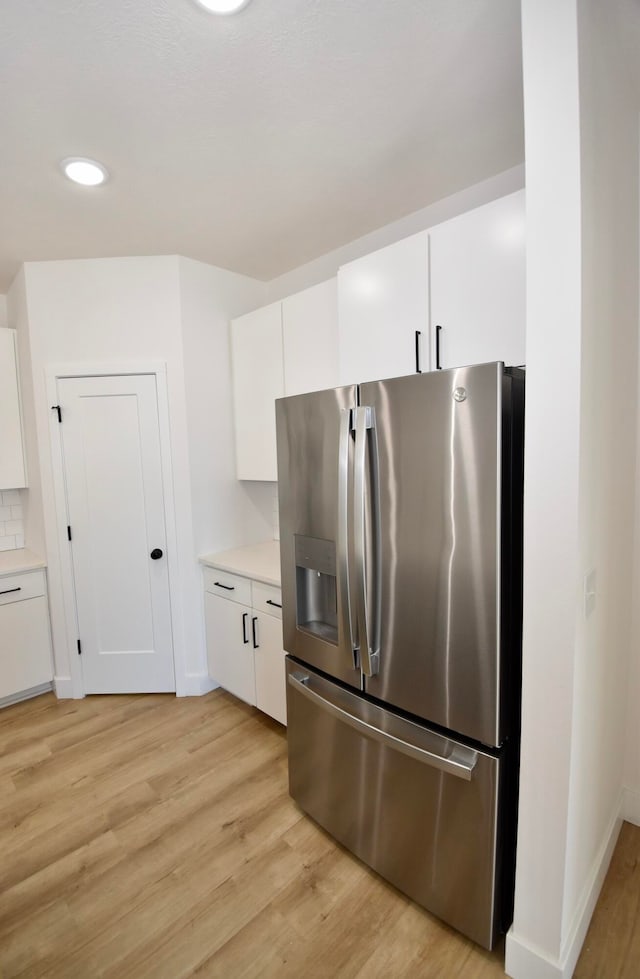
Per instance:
(255,142)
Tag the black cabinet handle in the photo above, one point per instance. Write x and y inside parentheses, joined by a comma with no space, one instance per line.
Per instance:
(276,604)
(219,584)
(156,554)
(8,591)
(438,364)
(245,616)
(253,632)
(418,368)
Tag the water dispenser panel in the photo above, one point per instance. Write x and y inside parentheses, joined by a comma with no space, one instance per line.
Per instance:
(316,595)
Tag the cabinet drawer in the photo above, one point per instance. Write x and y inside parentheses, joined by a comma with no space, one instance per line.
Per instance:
(231,586)
(18,587)
(267,598)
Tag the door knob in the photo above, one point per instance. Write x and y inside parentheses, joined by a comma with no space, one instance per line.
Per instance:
(156,554)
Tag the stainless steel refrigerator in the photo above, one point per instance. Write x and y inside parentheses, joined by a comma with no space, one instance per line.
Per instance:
(400,529)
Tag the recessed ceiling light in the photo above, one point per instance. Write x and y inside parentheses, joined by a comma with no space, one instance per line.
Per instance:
(223,6)
(89,173)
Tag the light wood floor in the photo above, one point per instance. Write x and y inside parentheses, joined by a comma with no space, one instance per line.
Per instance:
(154,837)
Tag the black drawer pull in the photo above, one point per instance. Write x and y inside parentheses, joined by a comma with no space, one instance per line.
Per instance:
(256,644)
(219,584)
(245,616)
(8,591)
(438,332)
(277,604)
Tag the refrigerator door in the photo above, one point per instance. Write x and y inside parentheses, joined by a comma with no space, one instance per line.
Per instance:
(437,554)
(315,461)
(421,809)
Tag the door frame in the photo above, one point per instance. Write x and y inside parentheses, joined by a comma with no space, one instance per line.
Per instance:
(158,369)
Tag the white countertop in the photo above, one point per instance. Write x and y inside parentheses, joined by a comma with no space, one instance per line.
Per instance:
(13,562)
(258,561)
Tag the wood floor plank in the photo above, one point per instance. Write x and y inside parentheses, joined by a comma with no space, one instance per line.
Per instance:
(155,837)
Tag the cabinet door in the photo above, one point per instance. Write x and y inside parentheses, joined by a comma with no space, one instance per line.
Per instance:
(310,339)
(383,304)
(478,285)
(12,468)
(229,646)
(258,379)
(269,666)
(25,657)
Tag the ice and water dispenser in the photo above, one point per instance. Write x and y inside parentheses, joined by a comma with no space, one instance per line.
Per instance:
(316,609)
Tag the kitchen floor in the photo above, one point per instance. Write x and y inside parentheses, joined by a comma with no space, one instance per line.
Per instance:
(153,837)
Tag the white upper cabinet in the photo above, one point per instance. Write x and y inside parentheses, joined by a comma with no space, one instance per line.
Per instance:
(258,379)
(12,467)
(310,338)
(478,285)
(383,302)
(289,347)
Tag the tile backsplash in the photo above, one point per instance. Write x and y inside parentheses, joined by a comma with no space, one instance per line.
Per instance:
(11,522)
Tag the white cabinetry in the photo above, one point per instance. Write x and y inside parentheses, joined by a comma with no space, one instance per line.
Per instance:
(244,640)
(383,303)
(25,645)
(12,467)
(478,285)
(258,379)
(269,654)
(288,347)
(310,339)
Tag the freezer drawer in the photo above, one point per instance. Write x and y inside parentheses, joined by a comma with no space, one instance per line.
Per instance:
(418,808)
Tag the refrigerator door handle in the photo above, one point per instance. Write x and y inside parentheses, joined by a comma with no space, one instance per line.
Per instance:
(346,630)
(460,763)
(368,630)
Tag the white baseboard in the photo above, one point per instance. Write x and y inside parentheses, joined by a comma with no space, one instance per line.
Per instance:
(523,961)
(196,685)
(16,698)
(63,686)
(631,806)
(575,938)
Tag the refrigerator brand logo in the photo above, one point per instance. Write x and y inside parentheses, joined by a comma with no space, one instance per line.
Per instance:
(460,394)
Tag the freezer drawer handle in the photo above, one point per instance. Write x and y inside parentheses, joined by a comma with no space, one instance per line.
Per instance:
(459,766)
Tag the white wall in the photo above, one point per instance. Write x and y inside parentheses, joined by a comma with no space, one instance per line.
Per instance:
(120,312)
(449,207)
(225,512)
(582,319)
(609,162)
(97,311)
(632,754)
(3,311)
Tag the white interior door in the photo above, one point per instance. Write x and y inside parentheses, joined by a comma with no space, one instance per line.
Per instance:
(113,473)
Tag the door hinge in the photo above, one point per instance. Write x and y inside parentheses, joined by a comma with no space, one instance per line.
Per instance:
(68,532)
(79,648)
(59,410)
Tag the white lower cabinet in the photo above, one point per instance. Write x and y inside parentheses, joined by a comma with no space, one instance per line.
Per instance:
(244,640)
(25,644)
(229,649)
